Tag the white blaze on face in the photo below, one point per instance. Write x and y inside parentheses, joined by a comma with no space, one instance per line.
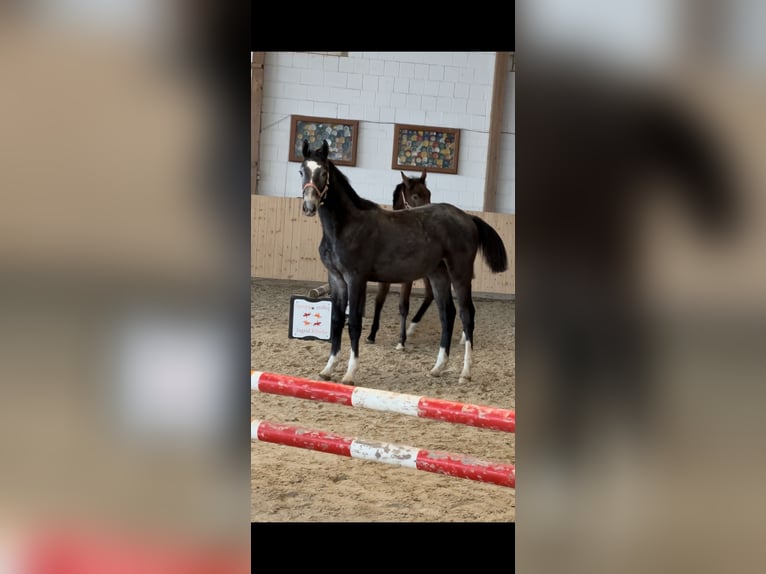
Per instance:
(310,167)
(310,193)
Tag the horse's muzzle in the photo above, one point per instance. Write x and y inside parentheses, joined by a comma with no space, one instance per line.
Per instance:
(309,208)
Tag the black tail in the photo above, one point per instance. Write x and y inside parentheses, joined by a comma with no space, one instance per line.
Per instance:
(491,246)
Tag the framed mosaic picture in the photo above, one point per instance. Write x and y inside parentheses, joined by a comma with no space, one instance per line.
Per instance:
(341,135)
(417,147)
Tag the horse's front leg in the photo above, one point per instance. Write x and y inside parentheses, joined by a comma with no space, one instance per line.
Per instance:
(339,295)
(357,290)
(404,310)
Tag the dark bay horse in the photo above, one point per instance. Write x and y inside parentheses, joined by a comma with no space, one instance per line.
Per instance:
(363,242)
(411,192)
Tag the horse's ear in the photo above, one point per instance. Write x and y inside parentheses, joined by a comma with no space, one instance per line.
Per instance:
(405,179)
(325,151)
(305,149)
(423,176)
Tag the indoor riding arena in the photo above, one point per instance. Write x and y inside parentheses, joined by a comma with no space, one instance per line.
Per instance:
(295,94)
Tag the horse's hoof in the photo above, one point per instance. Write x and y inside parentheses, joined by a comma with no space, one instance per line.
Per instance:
(324,376)
(399,347)
(347,381)
(434,373)
(463,380)
(369,341)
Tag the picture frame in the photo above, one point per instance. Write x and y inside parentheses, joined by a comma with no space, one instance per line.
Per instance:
(417,147)
(341,135)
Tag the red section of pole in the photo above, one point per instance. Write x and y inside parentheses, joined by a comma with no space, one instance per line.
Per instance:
(466,467)
(304,438)
(300,388)
(472,415)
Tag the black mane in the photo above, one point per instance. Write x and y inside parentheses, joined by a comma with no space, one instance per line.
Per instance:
(398,190)
(339,178)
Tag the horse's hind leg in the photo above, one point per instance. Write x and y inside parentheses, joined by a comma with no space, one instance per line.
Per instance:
(339,297)
(404,310)
(467,315)
(380,298)
(427,299)
(440,283)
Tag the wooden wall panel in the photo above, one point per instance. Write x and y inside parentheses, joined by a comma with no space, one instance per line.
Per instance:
(285,246)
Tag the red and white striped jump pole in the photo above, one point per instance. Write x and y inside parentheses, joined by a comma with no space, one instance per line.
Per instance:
(439,462)
(412,405)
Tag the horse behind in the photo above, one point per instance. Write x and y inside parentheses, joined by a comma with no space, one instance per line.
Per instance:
(411,192)
(363,242)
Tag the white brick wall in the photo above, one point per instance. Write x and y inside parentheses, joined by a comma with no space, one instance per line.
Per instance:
(506,177)
(443,89)
(506,173)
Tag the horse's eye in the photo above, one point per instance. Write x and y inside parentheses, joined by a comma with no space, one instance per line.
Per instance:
(415,197)
(300,171)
